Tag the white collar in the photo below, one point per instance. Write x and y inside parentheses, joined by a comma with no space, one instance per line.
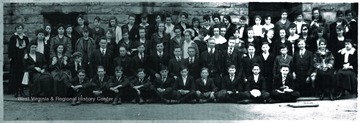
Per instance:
(344,51)
(18,34)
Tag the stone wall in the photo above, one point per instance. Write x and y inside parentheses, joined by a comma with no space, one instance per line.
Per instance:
(328,10)
(30,14)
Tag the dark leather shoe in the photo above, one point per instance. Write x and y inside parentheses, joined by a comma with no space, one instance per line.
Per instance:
(141,101)
(331,97)
(321,96)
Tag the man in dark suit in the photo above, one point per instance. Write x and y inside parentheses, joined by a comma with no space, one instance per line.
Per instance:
(103,57)
(118,85)
(131,27)
(303,67)
(163,85)
(140,60)
(231,88)
(125,62)
(282,59)
(77,64)
(205,87)
(283,86)
(255,87)
(249,60)
(212,59)
(99,87)
(175,63)
(232,57)
(158,59)
(184,87)
(142,89)
(267,60)
(193,63)
(77,85)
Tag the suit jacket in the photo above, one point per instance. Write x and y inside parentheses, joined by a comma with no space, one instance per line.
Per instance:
(169,83)
(248,63)
(277,84)
(260,84)
(174,43)
(233,59)
(235,85)
(278,44)
(136,82)
(133,32)
(189,85)
(97,58)
(155,38)
(137,63)
(73,70)
(85,50)
(75,81)
(208,87)
(174,67)
(96,84)
(279,60)
(304,63)
(56,41)
(267,65)
(194,68)
(156,62)
(212,61)
(126,63)
(124,82)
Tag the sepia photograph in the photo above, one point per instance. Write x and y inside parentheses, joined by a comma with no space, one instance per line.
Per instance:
(179,61)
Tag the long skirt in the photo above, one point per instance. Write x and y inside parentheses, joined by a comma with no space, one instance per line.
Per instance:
(60,77)
(347,80)
(324,79)
(41,84)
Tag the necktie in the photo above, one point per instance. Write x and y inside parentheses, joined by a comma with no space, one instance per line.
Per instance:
(103,51)
(232,77)
(301,54)
(230,51)
(118,79)
(164,79)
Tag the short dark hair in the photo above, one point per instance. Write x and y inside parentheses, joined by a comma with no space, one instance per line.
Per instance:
(118,68)
(97,18)
(81,71)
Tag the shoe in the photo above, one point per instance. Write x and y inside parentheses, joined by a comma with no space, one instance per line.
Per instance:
(331,97)
(134,101)
(141,101)
(115,102)
(340,95)
(175,101)
(322,96)
(202,101)
(246,101)
(166,101)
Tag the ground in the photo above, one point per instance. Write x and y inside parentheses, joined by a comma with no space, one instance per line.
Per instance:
(15,110)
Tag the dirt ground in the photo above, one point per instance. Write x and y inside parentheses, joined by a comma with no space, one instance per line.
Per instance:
(15,110)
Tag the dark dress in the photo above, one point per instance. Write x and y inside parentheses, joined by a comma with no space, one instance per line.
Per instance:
(16,54)
(324,78)
(61,74)
(346,78)
(41,84)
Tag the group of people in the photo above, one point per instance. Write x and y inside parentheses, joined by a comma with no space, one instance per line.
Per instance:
(211,60)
